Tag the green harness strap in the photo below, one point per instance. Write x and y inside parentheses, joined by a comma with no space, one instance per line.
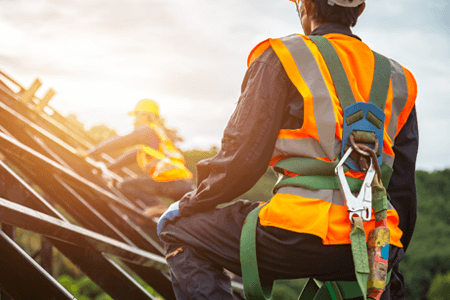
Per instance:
(249,265)
(307,166)
(380,82)
(313,290)
(319,182)
(359,253)
(341,84)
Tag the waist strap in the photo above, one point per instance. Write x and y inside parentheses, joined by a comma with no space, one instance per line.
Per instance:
(318,175)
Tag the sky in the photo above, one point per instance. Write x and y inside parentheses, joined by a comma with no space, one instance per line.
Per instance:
(103,56)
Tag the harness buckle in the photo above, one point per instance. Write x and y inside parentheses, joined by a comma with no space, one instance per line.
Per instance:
(360,205)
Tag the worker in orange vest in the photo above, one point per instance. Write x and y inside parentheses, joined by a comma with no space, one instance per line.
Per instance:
(166,173)
(291,109)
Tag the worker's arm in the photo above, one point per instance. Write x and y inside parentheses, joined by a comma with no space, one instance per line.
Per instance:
(141,135)
(248,141)
(402,187)
(125,159)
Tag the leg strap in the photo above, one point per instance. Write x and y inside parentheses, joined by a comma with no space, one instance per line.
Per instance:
(249,265)
(314,289)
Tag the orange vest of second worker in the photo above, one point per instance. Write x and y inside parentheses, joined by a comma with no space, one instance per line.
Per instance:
(323,212)
(165,163)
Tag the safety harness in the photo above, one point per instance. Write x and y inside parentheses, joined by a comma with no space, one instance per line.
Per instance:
(362,141)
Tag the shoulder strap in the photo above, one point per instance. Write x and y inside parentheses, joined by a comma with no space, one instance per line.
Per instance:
(381,80)
(337,72)
(381,76)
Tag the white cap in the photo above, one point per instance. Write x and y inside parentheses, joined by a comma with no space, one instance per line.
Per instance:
(346,3)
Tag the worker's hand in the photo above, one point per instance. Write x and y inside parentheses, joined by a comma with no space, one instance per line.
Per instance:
(107,176)
(170,215)
(99,165)
(155,211)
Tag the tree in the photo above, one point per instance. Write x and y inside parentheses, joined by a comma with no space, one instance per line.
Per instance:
(72,118)
(101,132)
(428,253)
(440,287)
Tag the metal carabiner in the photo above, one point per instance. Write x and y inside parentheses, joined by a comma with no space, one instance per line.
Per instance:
(360,205)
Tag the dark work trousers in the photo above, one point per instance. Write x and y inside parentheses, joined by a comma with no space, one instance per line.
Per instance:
(199,247)
(147,189)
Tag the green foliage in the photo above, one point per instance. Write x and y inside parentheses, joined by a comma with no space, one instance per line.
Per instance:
(83,288)
(429,251)
(192,157)
(440,287)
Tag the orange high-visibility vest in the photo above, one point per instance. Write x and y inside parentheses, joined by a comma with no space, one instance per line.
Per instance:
(323,212)
(164,164)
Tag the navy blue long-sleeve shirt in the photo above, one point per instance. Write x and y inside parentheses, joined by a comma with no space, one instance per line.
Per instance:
(141,135)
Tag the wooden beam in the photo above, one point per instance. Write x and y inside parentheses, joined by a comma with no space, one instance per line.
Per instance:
(44,101)
(28,95)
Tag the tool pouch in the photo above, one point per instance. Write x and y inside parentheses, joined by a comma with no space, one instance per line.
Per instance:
(378,243)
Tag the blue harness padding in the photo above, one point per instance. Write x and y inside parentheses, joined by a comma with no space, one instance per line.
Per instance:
(362,116)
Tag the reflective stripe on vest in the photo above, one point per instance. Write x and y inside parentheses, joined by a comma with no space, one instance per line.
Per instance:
(164,164)
(400,97)
(323,213)
(319,114)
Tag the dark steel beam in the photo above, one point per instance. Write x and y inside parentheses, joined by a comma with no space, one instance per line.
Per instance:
(16,149)
(10,184)
(4,295)
(104,272)
(29,219)
(46,255)
(23,279)
(27,154)
(10,231)
(100,222)
(101,270)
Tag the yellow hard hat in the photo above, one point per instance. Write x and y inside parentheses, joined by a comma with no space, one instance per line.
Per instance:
(146,106)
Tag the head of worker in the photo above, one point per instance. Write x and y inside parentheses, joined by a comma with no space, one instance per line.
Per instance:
(314,13)
(146,111)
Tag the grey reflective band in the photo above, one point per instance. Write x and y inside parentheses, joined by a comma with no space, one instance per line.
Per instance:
(388,160)
(400,96)
(312,75)
(151,164)
(163,170)
(307,147)
(162,144)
